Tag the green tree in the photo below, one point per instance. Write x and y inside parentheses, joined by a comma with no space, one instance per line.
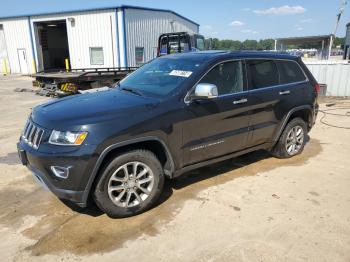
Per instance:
(339,41)
(228,44)
(250,45)
(236,45)
(266,44)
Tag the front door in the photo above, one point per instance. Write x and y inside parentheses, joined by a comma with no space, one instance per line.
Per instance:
(23,63)
(218,126)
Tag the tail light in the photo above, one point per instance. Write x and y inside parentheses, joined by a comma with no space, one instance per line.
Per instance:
(317,88)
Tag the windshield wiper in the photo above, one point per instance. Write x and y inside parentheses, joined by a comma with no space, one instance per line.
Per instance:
(136,92)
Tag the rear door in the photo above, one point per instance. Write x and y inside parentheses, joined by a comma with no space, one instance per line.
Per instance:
(218,126)
(265,97)
(275,86)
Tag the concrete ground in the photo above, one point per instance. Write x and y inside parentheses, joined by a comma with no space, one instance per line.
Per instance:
(252,208)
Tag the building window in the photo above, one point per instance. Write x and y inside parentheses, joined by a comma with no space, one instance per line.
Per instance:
(96,56)
(139,56)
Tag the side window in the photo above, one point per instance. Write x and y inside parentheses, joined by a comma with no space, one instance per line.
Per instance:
(228,77)
(174,44)
(290,72)
(184,44)
(263,73)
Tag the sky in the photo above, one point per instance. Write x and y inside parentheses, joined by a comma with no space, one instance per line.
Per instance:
(223,19)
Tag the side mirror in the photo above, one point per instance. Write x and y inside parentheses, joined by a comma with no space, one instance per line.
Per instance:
(205,91)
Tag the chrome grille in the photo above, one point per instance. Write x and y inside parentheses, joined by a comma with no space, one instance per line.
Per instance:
(32,134)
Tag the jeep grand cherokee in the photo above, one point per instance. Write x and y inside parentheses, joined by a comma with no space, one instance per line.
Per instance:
(174,114)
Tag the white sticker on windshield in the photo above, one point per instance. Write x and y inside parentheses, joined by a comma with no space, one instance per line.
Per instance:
(180,73)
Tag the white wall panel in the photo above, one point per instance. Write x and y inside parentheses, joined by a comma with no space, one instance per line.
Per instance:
(17,36)
(143,28)
(90,29)
(335,74)
(97,28)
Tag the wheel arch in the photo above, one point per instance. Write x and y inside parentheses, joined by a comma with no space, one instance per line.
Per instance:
(304,112)
(153,144)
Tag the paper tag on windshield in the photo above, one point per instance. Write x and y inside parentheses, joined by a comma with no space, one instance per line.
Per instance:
(180,73)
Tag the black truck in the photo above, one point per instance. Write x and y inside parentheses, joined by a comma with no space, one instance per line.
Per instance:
(177,113)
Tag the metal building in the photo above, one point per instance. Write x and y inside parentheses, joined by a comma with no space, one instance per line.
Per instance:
(321,40)
(95,38)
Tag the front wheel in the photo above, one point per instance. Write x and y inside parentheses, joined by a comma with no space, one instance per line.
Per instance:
(130,184)
(292,140)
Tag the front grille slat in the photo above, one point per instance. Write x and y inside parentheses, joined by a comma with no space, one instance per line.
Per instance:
(32,134)
(26,134)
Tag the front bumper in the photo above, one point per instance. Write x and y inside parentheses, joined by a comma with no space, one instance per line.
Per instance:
(74,196)
(73,188)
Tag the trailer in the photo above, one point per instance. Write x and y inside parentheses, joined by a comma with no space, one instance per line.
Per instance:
(59,83)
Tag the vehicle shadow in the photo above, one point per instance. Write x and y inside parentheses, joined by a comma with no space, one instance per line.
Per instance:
(190,178)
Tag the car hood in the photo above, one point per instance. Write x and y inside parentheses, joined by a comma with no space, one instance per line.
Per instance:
(91,108)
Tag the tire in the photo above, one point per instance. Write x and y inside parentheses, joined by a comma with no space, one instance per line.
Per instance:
(120,195)
(284,146)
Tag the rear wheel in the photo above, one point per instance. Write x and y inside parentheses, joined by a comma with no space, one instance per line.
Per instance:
(130,184)
(292,140)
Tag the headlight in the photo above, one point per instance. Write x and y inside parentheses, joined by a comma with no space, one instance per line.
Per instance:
(67,138)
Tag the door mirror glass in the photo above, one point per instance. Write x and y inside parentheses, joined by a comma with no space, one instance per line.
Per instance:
(205,91)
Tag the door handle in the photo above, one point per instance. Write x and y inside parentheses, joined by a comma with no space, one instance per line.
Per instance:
(287,92)
(241,101)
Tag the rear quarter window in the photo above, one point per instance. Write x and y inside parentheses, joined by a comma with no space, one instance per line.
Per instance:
(290,72)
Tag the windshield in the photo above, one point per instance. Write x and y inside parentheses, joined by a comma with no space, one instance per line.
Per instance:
(162,76)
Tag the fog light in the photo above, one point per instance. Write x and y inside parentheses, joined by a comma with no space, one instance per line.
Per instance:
(61,172)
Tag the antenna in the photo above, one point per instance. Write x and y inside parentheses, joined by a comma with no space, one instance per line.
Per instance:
(343,3)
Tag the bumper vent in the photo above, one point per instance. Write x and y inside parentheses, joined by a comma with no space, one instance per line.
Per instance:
(32,134)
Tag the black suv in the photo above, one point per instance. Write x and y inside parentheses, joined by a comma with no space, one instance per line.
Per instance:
(174,114)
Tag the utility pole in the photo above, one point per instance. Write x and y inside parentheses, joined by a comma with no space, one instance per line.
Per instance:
(341,11)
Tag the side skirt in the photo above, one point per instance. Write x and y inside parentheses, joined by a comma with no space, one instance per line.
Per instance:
(219,159)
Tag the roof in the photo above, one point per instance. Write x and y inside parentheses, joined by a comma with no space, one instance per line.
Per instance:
(212,54)
(303,39)
(99,9)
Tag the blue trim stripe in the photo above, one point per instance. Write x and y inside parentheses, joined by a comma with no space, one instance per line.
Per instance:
(32,44)
(124,32)
(117,34)
(99,9)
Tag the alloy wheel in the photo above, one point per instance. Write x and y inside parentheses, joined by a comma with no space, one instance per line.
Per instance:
(295,140)
(131,184)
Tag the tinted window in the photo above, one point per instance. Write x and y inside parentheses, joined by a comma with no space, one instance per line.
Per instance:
(228,77)
(263,73)
(290,72)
